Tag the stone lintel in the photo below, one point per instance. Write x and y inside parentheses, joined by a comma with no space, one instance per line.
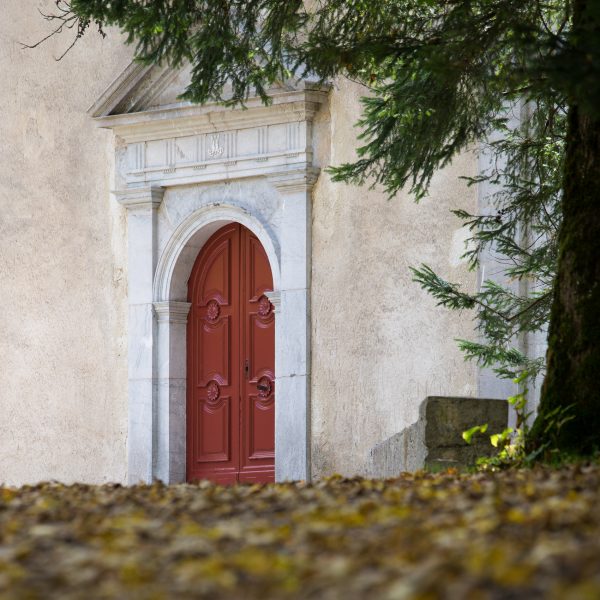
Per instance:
(191,119)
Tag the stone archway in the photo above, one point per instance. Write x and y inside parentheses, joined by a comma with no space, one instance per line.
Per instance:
(175,264)
(159,226)
(171,309)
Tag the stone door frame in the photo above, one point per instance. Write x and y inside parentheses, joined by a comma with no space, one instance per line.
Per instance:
(255,168)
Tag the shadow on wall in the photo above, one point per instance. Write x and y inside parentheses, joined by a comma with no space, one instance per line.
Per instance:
(435,440)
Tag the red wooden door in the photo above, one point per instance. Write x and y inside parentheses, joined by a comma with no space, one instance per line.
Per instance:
(231,361)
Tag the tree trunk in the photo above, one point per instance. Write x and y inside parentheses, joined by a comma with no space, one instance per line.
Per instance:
(572,384)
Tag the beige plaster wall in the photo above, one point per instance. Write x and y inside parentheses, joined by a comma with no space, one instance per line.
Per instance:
(379,343)
(63,378)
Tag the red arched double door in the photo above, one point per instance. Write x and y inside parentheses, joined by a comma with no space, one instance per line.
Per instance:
(231,361)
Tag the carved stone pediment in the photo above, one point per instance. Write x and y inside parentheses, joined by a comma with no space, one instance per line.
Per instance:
(170,141)
(136,89)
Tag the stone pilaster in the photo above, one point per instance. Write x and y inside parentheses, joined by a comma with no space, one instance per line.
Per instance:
(170,409)
(292,327)
(142,205)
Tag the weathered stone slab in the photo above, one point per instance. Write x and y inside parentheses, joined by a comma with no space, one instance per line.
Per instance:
(435,439)
(448,417)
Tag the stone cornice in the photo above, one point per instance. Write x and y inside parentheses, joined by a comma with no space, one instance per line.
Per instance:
(188,119)
(172,312)
(133,94)
(140,197)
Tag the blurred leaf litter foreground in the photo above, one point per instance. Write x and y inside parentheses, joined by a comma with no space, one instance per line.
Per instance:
(516,534)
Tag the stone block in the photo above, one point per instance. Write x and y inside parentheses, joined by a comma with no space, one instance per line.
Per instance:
(435,439)
(457,456)
(448,417)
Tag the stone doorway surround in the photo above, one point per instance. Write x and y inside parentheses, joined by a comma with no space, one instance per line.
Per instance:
(182,172)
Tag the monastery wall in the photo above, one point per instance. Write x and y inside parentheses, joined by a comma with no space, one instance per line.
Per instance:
(63,379)
(379,343)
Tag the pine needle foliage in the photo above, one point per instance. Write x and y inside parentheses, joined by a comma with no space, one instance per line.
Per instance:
(438,75)
(521,230)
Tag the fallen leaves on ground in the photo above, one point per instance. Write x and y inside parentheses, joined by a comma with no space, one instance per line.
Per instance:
(516,534)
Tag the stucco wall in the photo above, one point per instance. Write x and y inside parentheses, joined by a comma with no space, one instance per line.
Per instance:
(379,343)
(63,379)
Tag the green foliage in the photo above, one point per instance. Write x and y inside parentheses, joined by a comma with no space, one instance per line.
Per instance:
(438,76)
(511,443)
(499,440)
(469,433)
(247,45)
(521,229)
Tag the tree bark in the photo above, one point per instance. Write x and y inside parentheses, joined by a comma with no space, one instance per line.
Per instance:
(572,384)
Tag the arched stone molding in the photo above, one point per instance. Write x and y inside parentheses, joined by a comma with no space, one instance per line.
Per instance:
(174,266)
(171,308)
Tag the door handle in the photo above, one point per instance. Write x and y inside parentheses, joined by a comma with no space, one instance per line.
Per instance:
(247,369)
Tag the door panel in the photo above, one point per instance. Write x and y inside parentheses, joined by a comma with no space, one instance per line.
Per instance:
(214,348)
(258,398)
(214,427)
(231,359)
